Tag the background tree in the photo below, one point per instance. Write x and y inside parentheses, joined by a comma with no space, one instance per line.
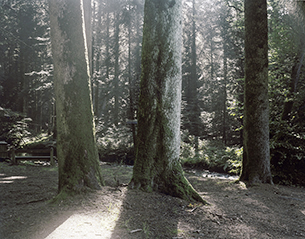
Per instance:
(256,160)
(25,62)
(76,147)
(157,165)
(191,110)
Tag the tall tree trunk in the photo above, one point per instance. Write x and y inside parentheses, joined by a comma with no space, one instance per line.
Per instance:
(157,164)
(195,112)
(256,161)
(97,63)
(107,43)
(78,162)
(295,76)
(116,68)
(131,88)
(225,76)
(224,100)
(104,91)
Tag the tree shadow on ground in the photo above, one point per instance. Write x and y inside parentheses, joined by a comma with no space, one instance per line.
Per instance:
(262,211)
(25,192)
(148,215)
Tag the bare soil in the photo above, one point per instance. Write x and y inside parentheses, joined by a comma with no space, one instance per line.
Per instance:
(235,210)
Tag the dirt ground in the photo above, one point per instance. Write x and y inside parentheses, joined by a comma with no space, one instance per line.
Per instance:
(235,211)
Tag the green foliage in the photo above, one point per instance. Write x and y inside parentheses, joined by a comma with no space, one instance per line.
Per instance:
(113,138)
(287,154)
(115,143)
(25,83)
(287,136)
(38,141)
(212,155)
(14,127)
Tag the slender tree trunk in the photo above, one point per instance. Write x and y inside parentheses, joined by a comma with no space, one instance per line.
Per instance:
(225,79)
(131,88)
(98,59)
(295,76)
(78,162)
(104,91)
(157,164)
(193,86)
(256,161)
(224,100)
(107,40)
(116,68)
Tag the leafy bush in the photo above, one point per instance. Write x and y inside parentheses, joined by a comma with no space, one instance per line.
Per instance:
(211,155)
(115,144)
(40,141)
(14,127)
(287,154)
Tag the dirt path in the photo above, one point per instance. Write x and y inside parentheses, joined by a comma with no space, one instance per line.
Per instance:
(236,211)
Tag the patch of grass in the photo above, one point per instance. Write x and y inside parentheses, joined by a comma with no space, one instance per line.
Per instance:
(50,169)
(146,229)
(175,231)
(125,224)
(110,208)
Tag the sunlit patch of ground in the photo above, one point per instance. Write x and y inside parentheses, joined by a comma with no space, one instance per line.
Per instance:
(87,225)
(10,179)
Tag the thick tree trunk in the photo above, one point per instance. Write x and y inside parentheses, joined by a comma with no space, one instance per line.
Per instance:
(157,164)
(78,163)
(256,161)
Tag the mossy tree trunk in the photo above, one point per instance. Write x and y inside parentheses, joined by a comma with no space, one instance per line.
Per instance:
(157,164)
(76,149)
(256,161)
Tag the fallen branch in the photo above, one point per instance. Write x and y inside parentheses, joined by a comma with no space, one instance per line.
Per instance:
(136,230)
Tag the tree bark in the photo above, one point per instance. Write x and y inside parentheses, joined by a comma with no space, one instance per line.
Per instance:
(194,116)
(116,51)
(295,76)
(96,99)
(88,29)
(256,161)
(157,164)
(224,34)
(78,162)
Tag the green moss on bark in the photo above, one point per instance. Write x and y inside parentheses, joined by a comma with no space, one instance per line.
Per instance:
(157,164)
(256,160)
(76,150)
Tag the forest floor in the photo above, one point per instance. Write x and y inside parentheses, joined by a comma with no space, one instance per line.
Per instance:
(235,210)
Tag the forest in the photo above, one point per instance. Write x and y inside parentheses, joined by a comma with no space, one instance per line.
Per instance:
(158,96)
(212,82)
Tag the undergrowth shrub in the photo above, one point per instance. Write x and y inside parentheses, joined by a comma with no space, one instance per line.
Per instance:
(115,144)
(14,127)
(211,155)
(287,149)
